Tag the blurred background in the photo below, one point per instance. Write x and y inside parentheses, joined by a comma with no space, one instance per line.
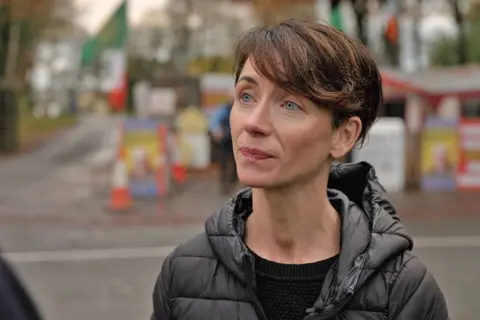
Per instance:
(107,159)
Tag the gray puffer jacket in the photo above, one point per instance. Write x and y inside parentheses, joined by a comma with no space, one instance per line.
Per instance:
(376,276)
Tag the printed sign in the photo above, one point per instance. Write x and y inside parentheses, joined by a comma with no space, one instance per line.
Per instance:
(145,143)
(439,156)
(468,176)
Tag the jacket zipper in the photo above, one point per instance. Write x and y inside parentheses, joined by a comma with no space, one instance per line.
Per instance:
(249,275)
(313,314)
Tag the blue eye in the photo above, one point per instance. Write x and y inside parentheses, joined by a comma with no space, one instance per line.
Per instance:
(290,106)
(245,98)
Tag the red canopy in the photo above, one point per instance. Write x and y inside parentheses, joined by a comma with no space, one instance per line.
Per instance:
(434,84)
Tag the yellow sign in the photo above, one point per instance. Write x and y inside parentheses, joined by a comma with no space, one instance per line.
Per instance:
(439,156)
(142,153)
(439,152)
(192,120)
(145,146)
(192,128)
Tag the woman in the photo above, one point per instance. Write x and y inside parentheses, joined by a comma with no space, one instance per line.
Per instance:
(309,240)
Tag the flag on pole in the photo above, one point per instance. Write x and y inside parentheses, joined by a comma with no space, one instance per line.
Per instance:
(391,30)
(108,48)
(336,20)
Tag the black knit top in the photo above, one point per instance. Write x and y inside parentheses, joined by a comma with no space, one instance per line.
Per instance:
(286,291)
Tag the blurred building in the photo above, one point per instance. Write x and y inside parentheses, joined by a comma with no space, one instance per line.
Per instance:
(147,39)
(213,28)
(55,70)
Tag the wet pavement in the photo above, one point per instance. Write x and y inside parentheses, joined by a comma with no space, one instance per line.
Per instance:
(108,273)
(438,205)
(76,196)
(81,261)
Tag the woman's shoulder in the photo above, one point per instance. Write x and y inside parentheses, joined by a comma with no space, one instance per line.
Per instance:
(183,272)
(399,264)
(409,277)
(196,247)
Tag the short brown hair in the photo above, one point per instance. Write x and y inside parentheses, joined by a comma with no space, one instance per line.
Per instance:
(318,62)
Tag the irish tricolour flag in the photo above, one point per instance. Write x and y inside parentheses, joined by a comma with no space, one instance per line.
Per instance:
(105,55)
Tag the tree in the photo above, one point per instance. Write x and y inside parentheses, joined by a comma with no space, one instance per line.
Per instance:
(473,48)
(22,24)
(462,40)
(361,15)
(200,29)
(464,48)
(180,11)
(271,11)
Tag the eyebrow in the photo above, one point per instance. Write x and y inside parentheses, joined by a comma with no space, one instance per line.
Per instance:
(248,79)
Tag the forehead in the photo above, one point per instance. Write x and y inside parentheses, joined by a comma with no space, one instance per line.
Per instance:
(248,69)
(251,73)
(252,77)
(269,64)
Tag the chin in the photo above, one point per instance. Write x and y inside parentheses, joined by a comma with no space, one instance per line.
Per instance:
(257,180)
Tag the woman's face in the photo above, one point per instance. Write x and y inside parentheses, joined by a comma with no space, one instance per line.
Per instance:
(281,139)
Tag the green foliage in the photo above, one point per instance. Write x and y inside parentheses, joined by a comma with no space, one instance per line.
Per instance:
(46,19)
(444,52)
(474,41)
(32,130)
(215,64)
(140,68)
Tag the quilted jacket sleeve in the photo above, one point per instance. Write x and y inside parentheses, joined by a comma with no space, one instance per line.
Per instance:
(161,303)
(416,294)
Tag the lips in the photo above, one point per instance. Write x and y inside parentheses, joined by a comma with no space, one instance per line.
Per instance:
(255,154)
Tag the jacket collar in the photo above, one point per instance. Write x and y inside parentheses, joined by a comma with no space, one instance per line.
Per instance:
(371,234)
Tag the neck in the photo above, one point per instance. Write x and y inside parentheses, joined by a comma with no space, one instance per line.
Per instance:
(294,225)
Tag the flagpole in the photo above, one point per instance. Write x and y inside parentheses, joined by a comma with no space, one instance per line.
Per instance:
(126,76)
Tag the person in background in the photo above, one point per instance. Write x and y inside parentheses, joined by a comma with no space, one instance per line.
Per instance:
(309,238)
(15,302)
(221,133)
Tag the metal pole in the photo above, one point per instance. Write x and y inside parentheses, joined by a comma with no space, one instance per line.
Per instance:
(417,40)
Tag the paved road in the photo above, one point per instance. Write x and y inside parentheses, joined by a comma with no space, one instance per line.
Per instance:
(55,177)
(99,273)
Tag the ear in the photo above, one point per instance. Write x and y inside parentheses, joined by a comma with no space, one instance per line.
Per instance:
(345,136)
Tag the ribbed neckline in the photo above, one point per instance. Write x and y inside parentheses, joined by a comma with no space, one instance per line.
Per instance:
(306,271)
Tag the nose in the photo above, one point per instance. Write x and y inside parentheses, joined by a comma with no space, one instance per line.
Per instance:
(259,120)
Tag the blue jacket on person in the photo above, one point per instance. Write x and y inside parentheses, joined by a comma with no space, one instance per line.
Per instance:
(220,121)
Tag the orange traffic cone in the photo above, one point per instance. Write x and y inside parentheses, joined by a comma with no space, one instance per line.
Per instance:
(179,172)
(120,198)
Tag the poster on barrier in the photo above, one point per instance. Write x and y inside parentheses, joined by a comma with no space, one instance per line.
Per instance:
(468,174)
(439,155)
(145,145)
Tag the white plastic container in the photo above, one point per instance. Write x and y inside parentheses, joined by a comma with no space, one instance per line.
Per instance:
(385,150)
(200,144)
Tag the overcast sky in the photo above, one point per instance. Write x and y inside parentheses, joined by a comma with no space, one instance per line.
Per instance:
(96,11)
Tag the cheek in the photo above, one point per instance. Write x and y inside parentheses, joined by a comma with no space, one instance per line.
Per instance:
(236,122)
(310,144)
